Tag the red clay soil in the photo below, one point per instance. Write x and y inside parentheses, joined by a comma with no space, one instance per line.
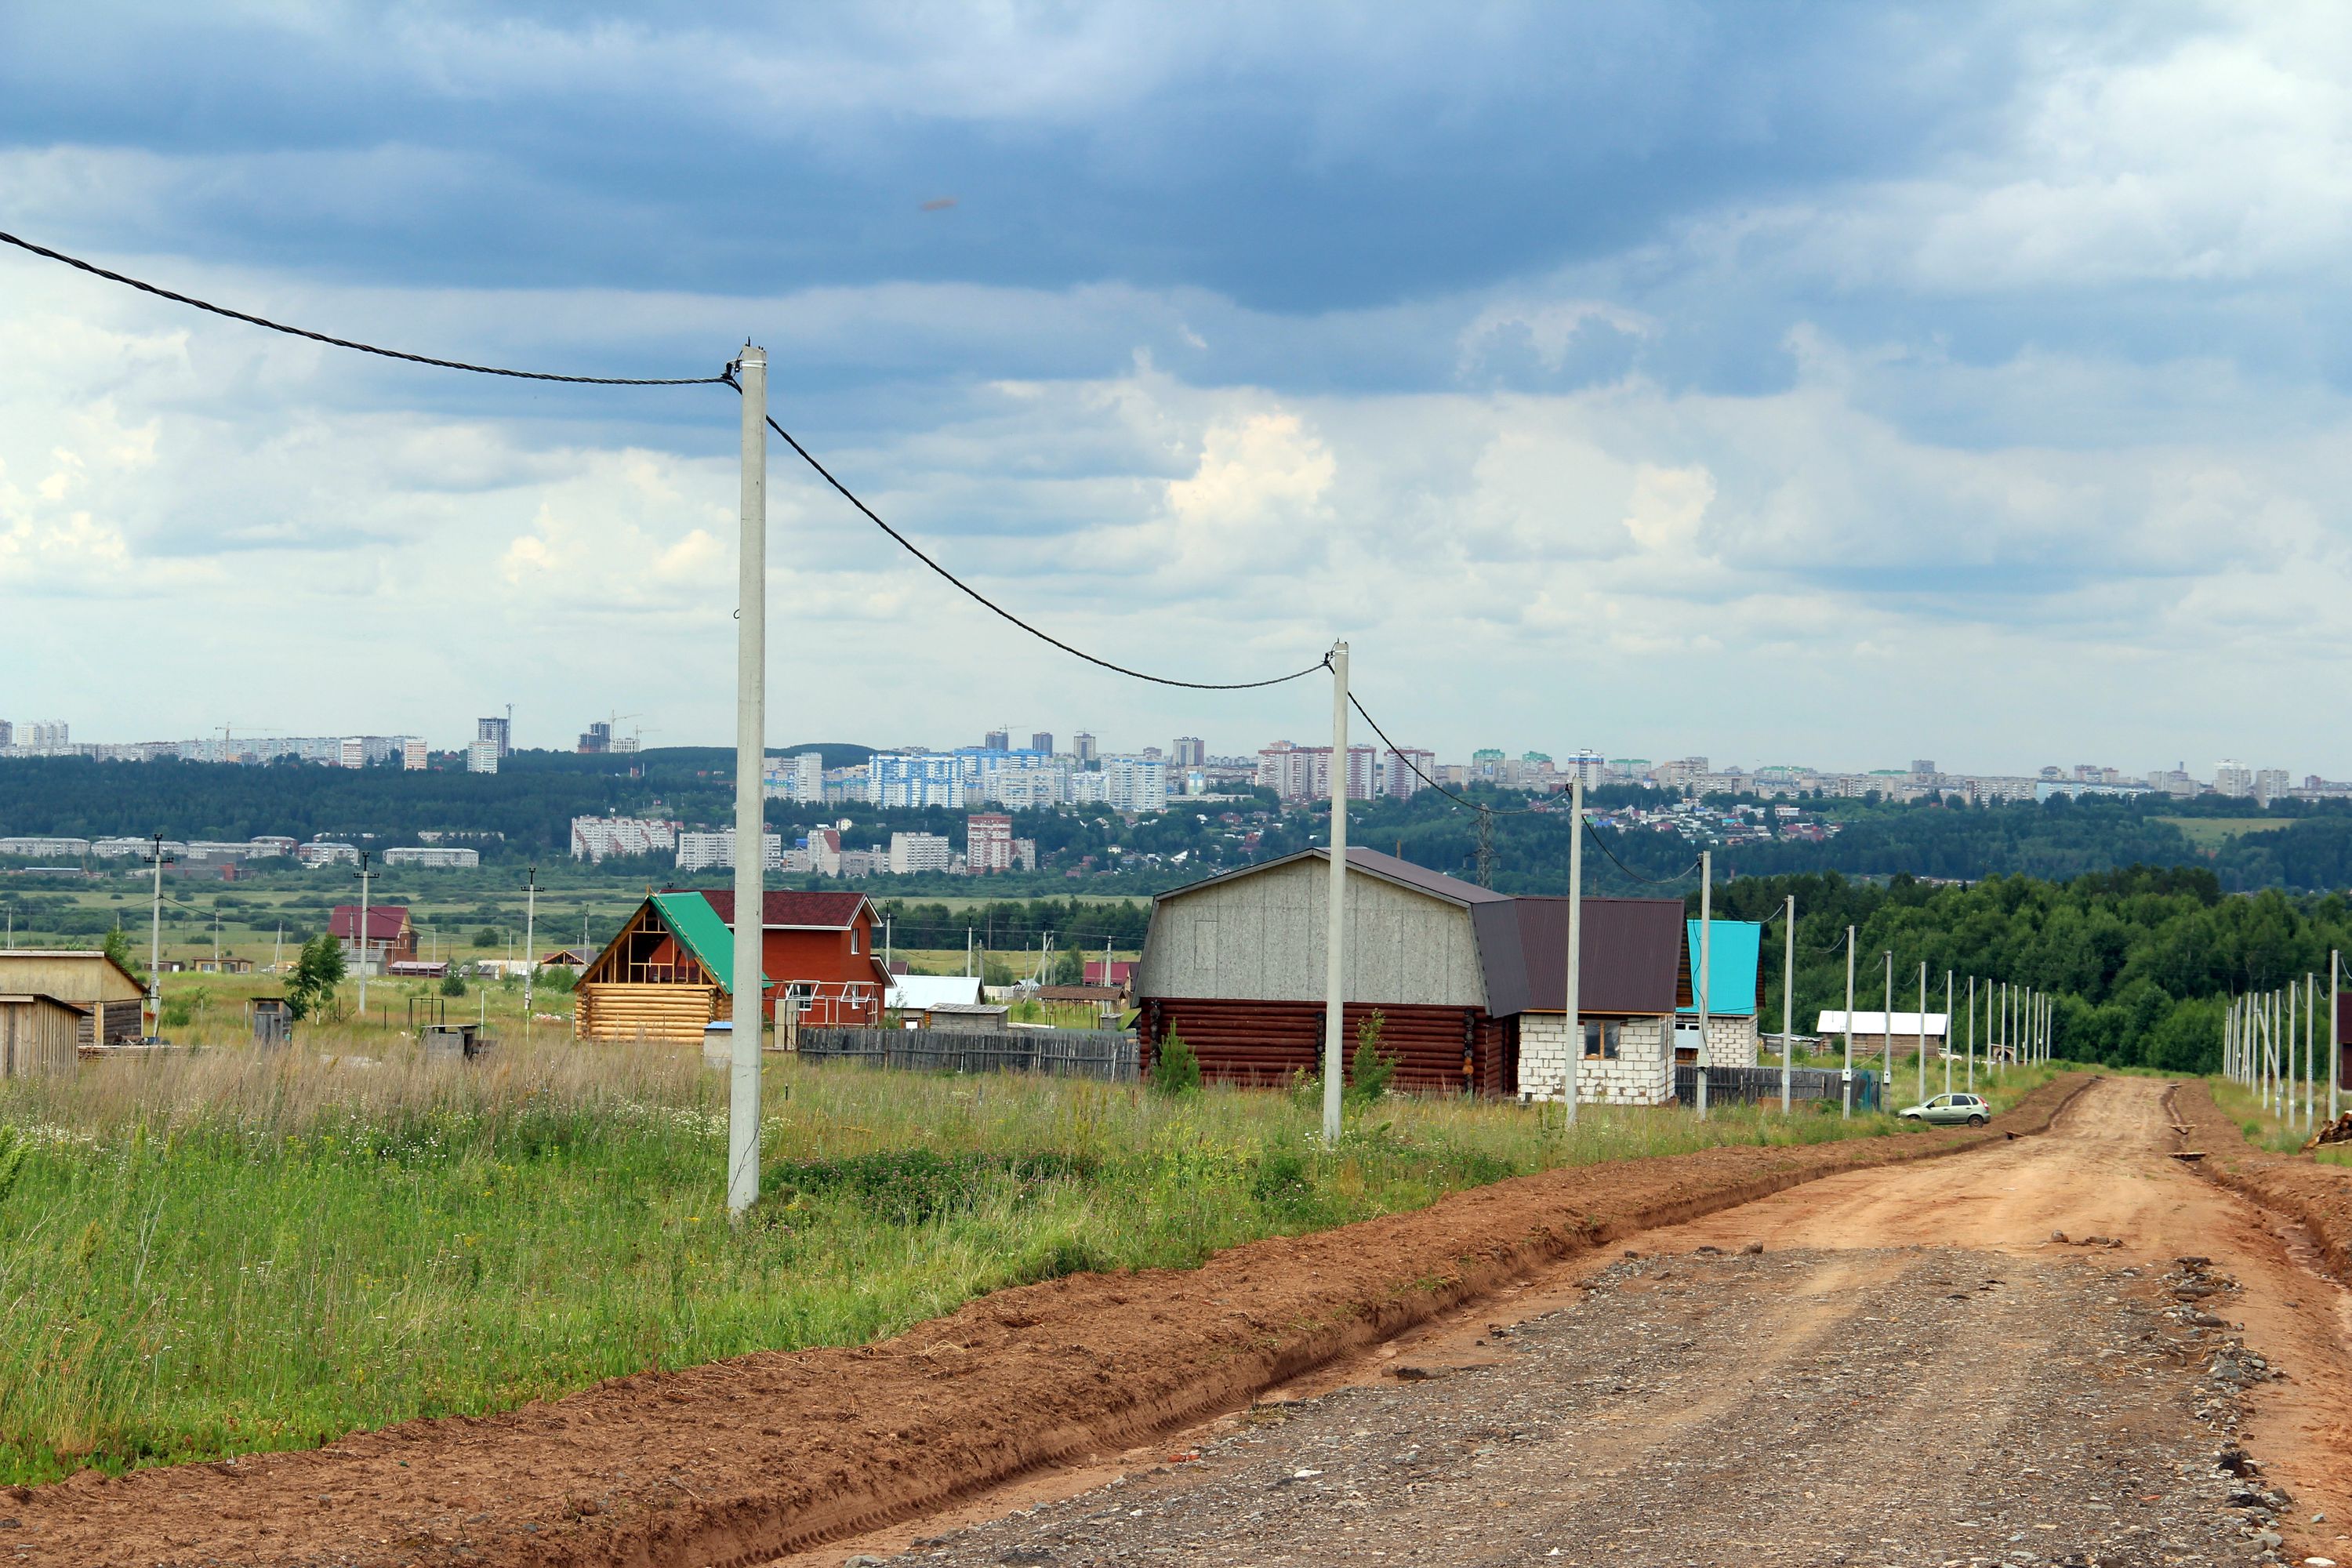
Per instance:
(738,1461)
(2315,1196)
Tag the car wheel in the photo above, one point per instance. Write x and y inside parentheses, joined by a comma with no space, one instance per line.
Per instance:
(1976,1121)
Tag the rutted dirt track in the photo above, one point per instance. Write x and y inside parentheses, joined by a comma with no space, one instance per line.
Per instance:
(738,1462)
(1896,1366)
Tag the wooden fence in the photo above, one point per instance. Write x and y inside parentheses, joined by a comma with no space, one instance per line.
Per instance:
(1106,1054)
(1755,1086)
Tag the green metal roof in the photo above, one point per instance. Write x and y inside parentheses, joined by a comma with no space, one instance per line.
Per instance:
(693,921)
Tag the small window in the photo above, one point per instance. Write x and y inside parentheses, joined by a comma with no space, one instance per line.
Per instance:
(1601,1041)
(853,941)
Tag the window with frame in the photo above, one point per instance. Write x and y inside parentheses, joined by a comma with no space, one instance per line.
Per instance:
(1600,1040)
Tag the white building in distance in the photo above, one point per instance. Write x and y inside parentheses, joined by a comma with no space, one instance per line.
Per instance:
(913,852)
(433,858)
(595,837)
(700,851)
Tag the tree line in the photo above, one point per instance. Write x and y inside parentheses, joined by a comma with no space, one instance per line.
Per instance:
(2139,962)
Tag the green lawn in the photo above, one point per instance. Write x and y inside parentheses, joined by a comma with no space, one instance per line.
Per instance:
(2212,832)
(223,1251)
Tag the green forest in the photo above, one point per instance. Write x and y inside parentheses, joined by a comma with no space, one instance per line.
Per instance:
(2140,963)
(2309,850)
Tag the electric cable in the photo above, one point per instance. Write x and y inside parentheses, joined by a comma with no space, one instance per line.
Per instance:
(1598,843)
(984,602)
(161,293)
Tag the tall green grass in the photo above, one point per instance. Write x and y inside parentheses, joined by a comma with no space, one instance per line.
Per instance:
(226,1252)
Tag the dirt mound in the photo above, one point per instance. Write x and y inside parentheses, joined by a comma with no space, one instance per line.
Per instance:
(2315,1196)
(738,1461)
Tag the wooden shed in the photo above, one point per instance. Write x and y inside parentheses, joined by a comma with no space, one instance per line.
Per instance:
(37,1035)
(1235,965)
(113,1003)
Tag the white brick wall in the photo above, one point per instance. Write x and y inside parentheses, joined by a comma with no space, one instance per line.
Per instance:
(1638,1076)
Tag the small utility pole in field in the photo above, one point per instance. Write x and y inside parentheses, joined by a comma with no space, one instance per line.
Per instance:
(529,939)
(1574,1002)
(1335,923)
(365,946)
(1848,1077)
(1788,998)
(1706,934)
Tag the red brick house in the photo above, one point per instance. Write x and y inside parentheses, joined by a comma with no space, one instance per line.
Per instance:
(670,970)
(390,934)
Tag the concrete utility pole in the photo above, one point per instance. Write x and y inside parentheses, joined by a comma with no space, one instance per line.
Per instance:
(361,928)
(2310,1051)
(751,748)
(2286,1060)
(1335,923)
(155,944)
(530,939)
(1947,1031)
(1788,998)
(1921,1019)
(1575,1018)
(1847,1080)
(1886,1035)
(1705,974)
(2334,1032)
(1972,1034)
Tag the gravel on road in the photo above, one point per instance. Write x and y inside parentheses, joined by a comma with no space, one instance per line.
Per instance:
(1900,1405)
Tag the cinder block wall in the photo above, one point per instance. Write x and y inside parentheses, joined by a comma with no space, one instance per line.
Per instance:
(1640,1074)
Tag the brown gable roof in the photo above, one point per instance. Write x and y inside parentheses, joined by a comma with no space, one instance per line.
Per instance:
(384,922)
(820,910)
(1632,959)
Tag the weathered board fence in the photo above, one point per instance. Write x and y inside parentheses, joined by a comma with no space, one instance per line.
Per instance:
(1106,1054)
(1759,1086)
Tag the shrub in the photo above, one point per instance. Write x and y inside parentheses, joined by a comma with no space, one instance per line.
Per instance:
(453,984)
(486,937)
(1175,1071)
(1369,1072)
(317,970)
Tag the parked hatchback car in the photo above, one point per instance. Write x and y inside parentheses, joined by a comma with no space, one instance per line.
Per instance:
(1950,1110)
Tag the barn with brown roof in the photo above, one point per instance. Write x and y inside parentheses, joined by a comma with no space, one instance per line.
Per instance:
(1234,965)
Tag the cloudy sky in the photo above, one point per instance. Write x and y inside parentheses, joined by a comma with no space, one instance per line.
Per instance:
(1815,384)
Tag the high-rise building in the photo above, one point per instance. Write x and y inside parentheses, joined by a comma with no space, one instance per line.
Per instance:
(701,851)
(49,737)
(1587,764)
(987,842)
(8,733)
(599,738)
(1401,780)
(1043,741)
(482,757)
(1189,751)
(997,741)
(1136,784)
(2270,784)
(354,752)
(2232,778)
(595,837)
(494,730)
(1304,772)
(1083,746)
(414,758)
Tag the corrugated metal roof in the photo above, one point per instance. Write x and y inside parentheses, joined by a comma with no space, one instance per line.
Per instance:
(1734,949)
(810,911)
(385,922)
(693,921)
(1630,957)
(1833,1023)
(1388,867)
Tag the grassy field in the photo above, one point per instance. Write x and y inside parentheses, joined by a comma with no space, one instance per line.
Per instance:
(2274,1131)
(2212,832)
(225,1251)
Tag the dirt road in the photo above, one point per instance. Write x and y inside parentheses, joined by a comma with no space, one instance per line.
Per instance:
(1899,1365)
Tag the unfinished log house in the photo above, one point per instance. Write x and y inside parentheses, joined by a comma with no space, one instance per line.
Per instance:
(1235,965)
